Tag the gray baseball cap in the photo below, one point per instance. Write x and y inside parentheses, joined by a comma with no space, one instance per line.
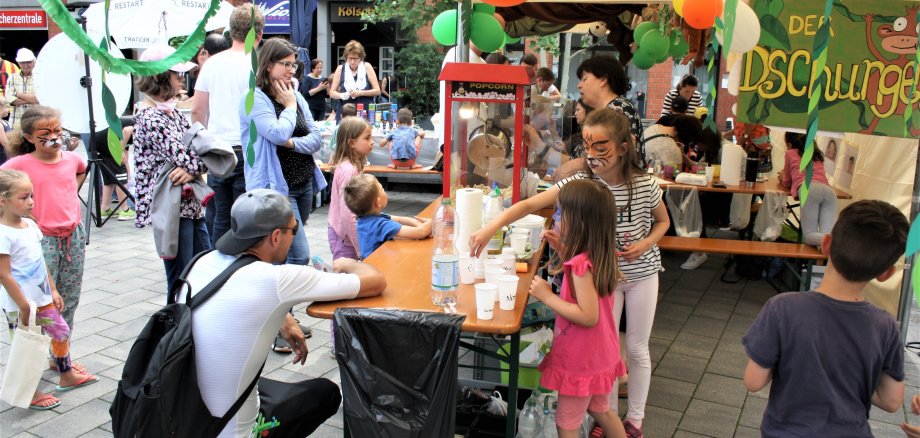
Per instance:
(254,215)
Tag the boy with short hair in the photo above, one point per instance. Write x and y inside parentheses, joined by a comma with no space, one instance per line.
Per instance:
(406,142)
(829,352)
(366,198)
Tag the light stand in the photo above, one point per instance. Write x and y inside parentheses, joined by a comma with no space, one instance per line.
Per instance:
(94,165)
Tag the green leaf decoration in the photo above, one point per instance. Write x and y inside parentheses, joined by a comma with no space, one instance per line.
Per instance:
(773,34)
(817,83)
(250,96)
(908,112)
(111,110)
(250,150)
(731,9)
(915,279)
(913,239)
(114,144)
(711,73)
(250,100)
(59,14)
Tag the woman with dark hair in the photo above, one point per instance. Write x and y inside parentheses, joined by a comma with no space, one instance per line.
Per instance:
(354,81)
(820,210)
(286,139)
(158,130)
(603,83)
(315,88)
(576,145)
(686,88)
(665,140)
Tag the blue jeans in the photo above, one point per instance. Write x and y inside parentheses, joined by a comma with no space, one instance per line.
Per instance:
(193,238)
(301,203)
(226,191)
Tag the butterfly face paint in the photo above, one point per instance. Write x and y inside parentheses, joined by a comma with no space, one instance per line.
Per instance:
(600,150)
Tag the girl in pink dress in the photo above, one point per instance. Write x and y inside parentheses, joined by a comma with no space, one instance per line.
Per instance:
(584,362)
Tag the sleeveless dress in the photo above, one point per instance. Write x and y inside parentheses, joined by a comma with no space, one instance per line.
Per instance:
(583,361)
(366,100)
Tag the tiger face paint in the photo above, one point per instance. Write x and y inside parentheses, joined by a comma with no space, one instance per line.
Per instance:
(600,150)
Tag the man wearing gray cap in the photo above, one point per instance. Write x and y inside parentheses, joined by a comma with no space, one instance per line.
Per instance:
(20,88)
(232,330)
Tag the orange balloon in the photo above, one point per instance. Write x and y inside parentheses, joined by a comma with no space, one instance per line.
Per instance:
(504,3)
(701,14)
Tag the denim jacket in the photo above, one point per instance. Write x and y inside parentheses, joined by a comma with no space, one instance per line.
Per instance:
(271,131)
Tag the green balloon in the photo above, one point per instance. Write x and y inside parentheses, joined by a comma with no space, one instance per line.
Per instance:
(444,28)
(486,32)
(642,62)
(642,29)
(511,40)
(484,8)
(654,44)
(679,46)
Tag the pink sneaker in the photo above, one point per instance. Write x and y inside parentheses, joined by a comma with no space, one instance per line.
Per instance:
(631,430)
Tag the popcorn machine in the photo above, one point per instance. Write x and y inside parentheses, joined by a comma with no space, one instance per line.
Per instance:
(486,110)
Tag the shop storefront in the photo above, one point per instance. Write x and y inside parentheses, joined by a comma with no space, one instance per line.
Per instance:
(339,22)
(22,24)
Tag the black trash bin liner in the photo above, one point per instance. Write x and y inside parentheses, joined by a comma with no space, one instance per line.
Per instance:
(399,371)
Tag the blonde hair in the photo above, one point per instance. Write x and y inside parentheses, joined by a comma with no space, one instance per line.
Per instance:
(9,178)
(240,21)
(360,194)
(354,48)
(587,228)
(350,129)
(19,145)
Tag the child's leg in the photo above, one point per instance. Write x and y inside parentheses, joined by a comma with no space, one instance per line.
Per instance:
(570,412)
(640,298)
(340,247)
(818,214)
(607,418)
(12,320)
(54,326)
(65,258)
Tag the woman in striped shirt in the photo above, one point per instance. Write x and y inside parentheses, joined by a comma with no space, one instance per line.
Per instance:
(686,88)
(641,220)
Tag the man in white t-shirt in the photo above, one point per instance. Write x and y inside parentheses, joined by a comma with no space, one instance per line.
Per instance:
(545,78)
(233,329)
(221,85)
(475,57)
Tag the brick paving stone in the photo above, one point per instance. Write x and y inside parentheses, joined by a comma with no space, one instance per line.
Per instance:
(75,422)
(670,394)
(752,413)
(710,419)
(727,363)
(693,345)
(681,367)
(700,325)
(721,389)
(664,422)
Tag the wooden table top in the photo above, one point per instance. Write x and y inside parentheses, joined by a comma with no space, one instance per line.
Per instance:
(407,266)
(759,188)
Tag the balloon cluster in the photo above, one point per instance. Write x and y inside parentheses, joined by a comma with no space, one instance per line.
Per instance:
(699,14)
(487,29)
(656,46)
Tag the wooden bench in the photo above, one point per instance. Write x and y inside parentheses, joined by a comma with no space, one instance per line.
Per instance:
(378,169)
(782,250)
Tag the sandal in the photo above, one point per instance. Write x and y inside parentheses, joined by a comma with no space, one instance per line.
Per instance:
(281,346)
(78,367)
(41,404)
(88,379)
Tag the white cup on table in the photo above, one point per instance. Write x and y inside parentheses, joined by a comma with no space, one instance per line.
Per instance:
(485,300)
(507,291)
(467,269)
(496,263)
(710,173)
(492,275)
(519,243)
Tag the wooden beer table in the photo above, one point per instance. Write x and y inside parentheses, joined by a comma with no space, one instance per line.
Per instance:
(407,267)
(772,184)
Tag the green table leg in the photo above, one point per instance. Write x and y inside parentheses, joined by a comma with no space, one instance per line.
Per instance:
(513,368)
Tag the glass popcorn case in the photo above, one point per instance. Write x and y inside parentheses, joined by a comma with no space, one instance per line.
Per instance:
(487,112)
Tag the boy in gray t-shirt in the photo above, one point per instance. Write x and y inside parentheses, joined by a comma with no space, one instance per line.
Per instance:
(829,353)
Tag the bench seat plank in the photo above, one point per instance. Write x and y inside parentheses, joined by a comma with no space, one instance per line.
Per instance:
(376,168)
(741,247)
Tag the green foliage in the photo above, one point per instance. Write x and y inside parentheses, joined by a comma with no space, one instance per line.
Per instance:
(413,14)
(546,43)
(420,64)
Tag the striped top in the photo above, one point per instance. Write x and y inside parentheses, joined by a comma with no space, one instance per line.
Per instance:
(634,224)
(695,101)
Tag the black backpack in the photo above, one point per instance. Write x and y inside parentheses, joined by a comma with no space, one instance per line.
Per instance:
(158,394)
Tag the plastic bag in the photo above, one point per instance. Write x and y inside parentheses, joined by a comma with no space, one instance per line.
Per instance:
(26,363)
(540,342)
(740,214)
(684,205)
(769,222)
(398,371)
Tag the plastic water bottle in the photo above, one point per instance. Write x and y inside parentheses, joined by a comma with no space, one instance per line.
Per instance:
(493,208)
(549,419)
(529,421)
(445,260)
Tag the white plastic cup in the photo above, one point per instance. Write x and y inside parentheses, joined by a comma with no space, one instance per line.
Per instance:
(492,276)
(496,263)
(519,243)
(485,300)
(710,173)
(467,269)
(480,265)
(507,291)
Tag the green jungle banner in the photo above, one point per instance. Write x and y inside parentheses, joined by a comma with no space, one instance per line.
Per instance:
(871,54)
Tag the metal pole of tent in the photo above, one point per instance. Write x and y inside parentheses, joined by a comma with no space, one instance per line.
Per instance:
(462,53)
(906,293)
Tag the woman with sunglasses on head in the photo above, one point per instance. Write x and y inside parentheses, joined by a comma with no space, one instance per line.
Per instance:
(354,81)
(158,130)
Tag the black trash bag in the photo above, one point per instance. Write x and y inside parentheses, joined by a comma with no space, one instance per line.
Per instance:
(399,371)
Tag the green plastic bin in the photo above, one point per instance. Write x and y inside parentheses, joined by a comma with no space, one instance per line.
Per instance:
(527,377)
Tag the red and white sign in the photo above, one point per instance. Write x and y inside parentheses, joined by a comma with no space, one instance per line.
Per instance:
(11,19)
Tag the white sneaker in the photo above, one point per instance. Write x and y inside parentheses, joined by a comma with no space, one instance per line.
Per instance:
(694,261)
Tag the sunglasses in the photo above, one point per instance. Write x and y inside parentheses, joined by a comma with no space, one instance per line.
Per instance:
(293,229)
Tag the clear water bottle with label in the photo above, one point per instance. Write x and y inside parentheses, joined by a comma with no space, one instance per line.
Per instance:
(530,420)
(445,260)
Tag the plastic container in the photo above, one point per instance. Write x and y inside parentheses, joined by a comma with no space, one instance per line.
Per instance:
(527,377)
(445,261)
(492,209)
(535,224)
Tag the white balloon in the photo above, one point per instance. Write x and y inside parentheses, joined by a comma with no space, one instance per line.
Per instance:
(734,78)
(746,32)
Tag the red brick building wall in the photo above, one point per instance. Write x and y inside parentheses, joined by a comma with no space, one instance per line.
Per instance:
(659,83)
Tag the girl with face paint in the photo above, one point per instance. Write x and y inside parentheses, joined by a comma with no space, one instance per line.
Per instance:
(641,219)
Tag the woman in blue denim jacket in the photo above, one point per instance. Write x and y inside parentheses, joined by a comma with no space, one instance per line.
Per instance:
(285,139)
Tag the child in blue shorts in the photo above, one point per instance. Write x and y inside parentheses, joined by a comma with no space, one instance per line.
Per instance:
(404,142)
(366,198)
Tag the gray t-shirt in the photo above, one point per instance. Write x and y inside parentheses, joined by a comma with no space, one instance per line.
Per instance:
(827,358)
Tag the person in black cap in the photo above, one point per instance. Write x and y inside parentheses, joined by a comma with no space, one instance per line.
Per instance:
(233,329)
